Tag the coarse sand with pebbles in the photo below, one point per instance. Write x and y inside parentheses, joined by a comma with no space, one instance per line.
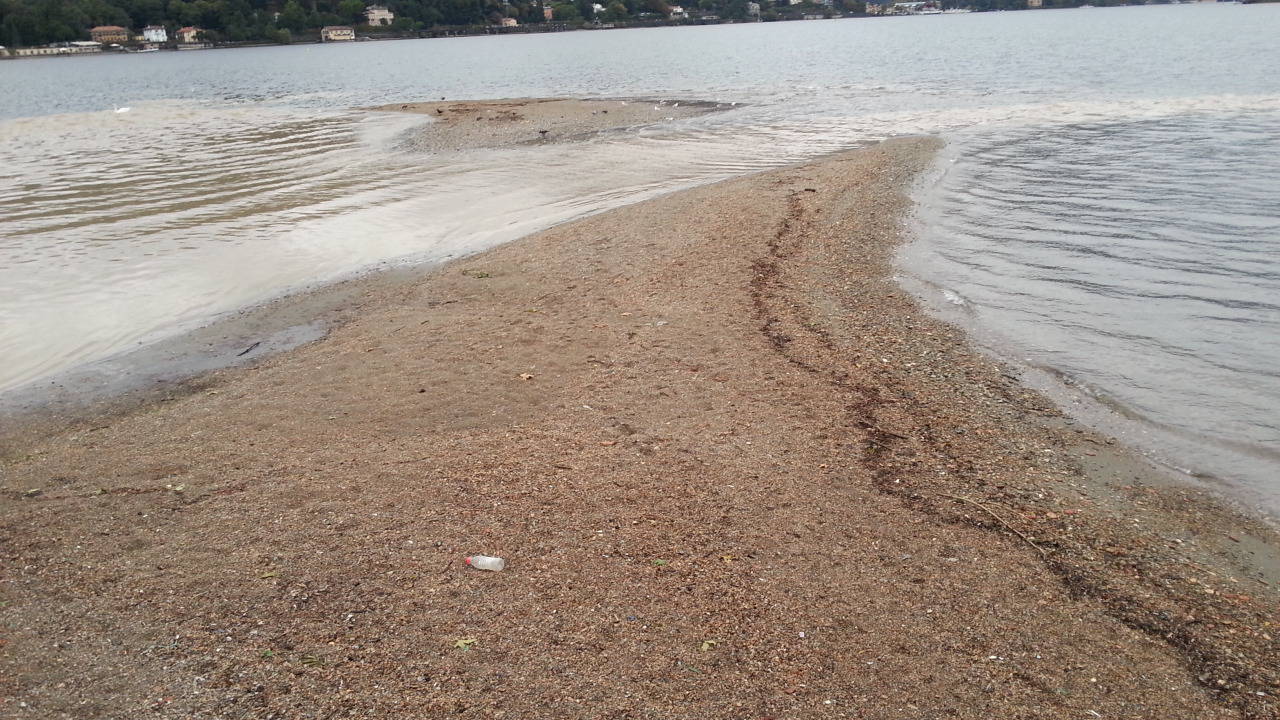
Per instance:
(734,471)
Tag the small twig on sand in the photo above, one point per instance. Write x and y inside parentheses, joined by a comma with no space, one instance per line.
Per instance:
(999,519)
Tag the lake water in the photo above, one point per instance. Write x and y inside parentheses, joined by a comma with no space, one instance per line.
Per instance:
(1106,210)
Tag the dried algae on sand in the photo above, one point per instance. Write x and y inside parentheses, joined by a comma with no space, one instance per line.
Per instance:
(734,469)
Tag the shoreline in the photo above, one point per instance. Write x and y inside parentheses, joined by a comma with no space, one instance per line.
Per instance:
(174,363)
(1091,409)
(85,396)
(444,32)
(1188,458)
(724,372)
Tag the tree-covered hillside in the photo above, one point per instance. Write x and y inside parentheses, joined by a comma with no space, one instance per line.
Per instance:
(37,22)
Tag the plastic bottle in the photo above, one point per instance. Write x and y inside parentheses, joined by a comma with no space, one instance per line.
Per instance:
(485,562)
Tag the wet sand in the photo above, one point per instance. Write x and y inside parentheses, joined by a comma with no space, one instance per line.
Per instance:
(735,471)
(473,124)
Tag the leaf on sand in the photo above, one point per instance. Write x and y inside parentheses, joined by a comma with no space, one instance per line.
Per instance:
(709,644)
(269,574)
(659,563)
(464,643)
(526,376)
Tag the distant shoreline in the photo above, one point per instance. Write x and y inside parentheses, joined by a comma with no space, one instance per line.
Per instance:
(443,32)
(312,37)
(466,31)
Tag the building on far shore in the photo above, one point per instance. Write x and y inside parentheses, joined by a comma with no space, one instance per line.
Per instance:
(677,13)
(109,34)
(913,7)
(378,15)
(1035,4)
(917,7)
(337,33)
(189,35)
(79,47)
(509,22)
(155,34)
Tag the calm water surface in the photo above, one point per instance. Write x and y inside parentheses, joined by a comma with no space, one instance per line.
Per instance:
(1140,260)
(1106,209)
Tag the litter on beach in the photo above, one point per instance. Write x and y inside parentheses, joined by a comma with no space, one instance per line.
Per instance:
(486,562)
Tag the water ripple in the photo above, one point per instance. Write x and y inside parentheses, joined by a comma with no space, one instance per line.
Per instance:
(1141,256)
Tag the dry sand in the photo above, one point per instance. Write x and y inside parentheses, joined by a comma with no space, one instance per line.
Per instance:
(735,473)
(472,124)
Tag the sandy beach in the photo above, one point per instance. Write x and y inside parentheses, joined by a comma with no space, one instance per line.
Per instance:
(734,470)
(474,124)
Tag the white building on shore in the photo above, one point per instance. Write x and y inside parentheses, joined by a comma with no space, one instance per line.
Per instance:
(78,47)
(378,15)
(155,34)
(337,33)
